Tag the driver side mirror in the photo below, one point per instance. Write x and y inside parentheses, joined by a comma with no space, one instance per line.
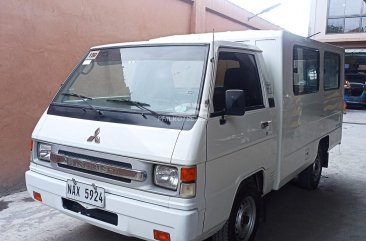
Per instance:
(234,102)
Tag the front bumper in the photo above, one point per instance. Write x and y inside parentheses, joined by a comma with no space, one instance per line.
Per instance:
(135,218)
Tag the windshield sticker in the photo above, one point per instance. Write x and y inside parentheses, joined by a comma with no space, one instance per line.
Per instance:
(87,62)
(180,108)
(93,54)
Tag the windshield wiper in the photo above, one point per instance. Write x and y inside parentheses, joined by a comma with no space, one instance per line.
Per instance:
(84,98)
(141,106)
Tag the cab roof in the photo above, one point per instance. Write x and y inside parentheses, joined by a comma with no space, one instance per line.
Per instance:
(205,38)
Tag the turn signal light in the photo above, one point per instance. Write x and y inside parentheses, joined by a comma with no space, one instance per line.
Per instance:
(37,196)
(187,190)
(161,236)
(188,174)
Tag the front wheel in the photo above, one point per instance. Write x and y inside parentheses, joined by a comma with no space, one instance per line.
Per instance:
(243,220)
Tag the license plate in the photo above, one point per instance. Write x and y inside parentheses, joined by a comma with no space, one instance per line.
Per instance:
(85,193)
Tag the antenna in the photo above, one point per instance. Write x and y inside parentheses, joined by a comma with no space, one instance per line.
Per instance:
(264,11)
(213,45)
(313,35)
(213,69)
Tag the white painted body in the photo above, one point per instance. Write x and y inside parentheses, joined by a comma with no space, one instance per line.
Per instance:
(225,155)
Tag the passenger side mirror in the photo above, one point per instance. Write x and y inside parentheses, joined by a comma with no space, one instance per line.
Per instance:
(234,102)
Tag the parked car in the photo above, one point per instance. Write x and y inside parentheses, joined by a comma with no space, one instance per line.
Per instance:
(357,93)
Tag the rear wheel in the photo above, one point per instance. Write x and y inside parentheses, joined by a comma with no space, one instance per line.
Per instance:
(243,220)
(310,177)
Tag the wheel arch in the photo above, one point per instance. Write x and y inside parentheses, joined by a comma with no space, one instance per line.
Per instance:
(256,179)
(324,147)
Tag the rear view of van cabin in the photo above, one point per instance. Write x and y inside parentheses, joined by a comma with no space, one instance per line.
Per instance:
(181,137)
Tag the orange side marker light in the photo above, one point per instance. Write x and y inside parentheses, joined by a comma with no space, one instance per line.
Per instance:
(161,236)
(37,196)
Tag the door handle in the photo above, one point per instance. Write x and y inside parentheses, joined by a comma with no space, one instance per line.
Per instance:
(265,124)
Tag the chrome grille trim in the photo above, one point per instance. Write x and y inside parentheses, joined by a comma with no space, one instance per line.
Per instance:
(112,170)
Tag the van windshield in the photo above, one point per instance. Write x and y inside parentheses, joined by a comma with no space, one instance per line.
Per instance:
(162,79)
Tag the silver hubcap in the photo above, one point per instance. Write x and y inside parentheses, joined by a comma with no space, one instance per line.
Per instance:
(245,219)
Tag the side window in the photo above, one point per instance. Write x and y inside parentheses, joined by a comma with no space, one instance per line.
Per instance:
(237,71)
(331,70)
(305,70)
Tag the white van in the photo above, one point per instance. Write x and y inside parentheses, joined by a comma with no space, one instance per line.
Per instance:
(179,138)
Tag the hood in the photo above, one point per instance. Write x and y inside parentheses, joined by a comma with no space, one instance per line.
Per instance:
(141,142)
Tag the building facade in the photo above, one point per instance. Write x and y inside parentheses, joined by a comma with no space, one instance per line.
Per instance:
(343,23)
(41,41)
(339,22)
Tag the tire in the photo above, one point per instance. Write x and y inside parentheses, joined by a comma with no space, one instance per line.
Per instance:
(310,177)
(244,217)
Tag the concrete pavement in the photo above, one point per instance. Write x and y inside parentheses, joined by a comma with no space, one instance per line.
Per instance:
(334,212)
(337,210)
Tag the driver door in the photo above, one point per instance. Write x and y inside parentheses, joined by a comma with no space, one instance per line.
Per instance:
(243,144)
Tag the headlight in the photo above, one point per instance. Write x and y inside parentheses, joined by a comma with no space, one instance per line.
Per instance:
(166,177)
(44,152)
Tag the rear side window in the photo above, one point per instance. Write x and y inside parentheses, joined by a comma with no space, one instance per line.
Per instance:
(305,70)
(331,70)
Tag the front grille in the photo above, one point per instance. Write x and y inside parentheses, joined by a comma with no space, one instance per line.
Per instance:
(96,160)
(95,213)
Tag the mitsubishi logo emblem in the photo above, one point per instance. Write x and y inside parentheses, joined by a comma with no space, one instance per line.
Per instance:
(95,137)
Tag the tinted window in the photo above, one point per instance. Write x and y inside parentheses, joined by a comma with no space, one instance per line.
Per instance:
(363,26)
(345,16)
(237,71)
(305,70)
(356,78)
(336,7)
(335,25)
(353,7)
(352,25)
(331,70)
